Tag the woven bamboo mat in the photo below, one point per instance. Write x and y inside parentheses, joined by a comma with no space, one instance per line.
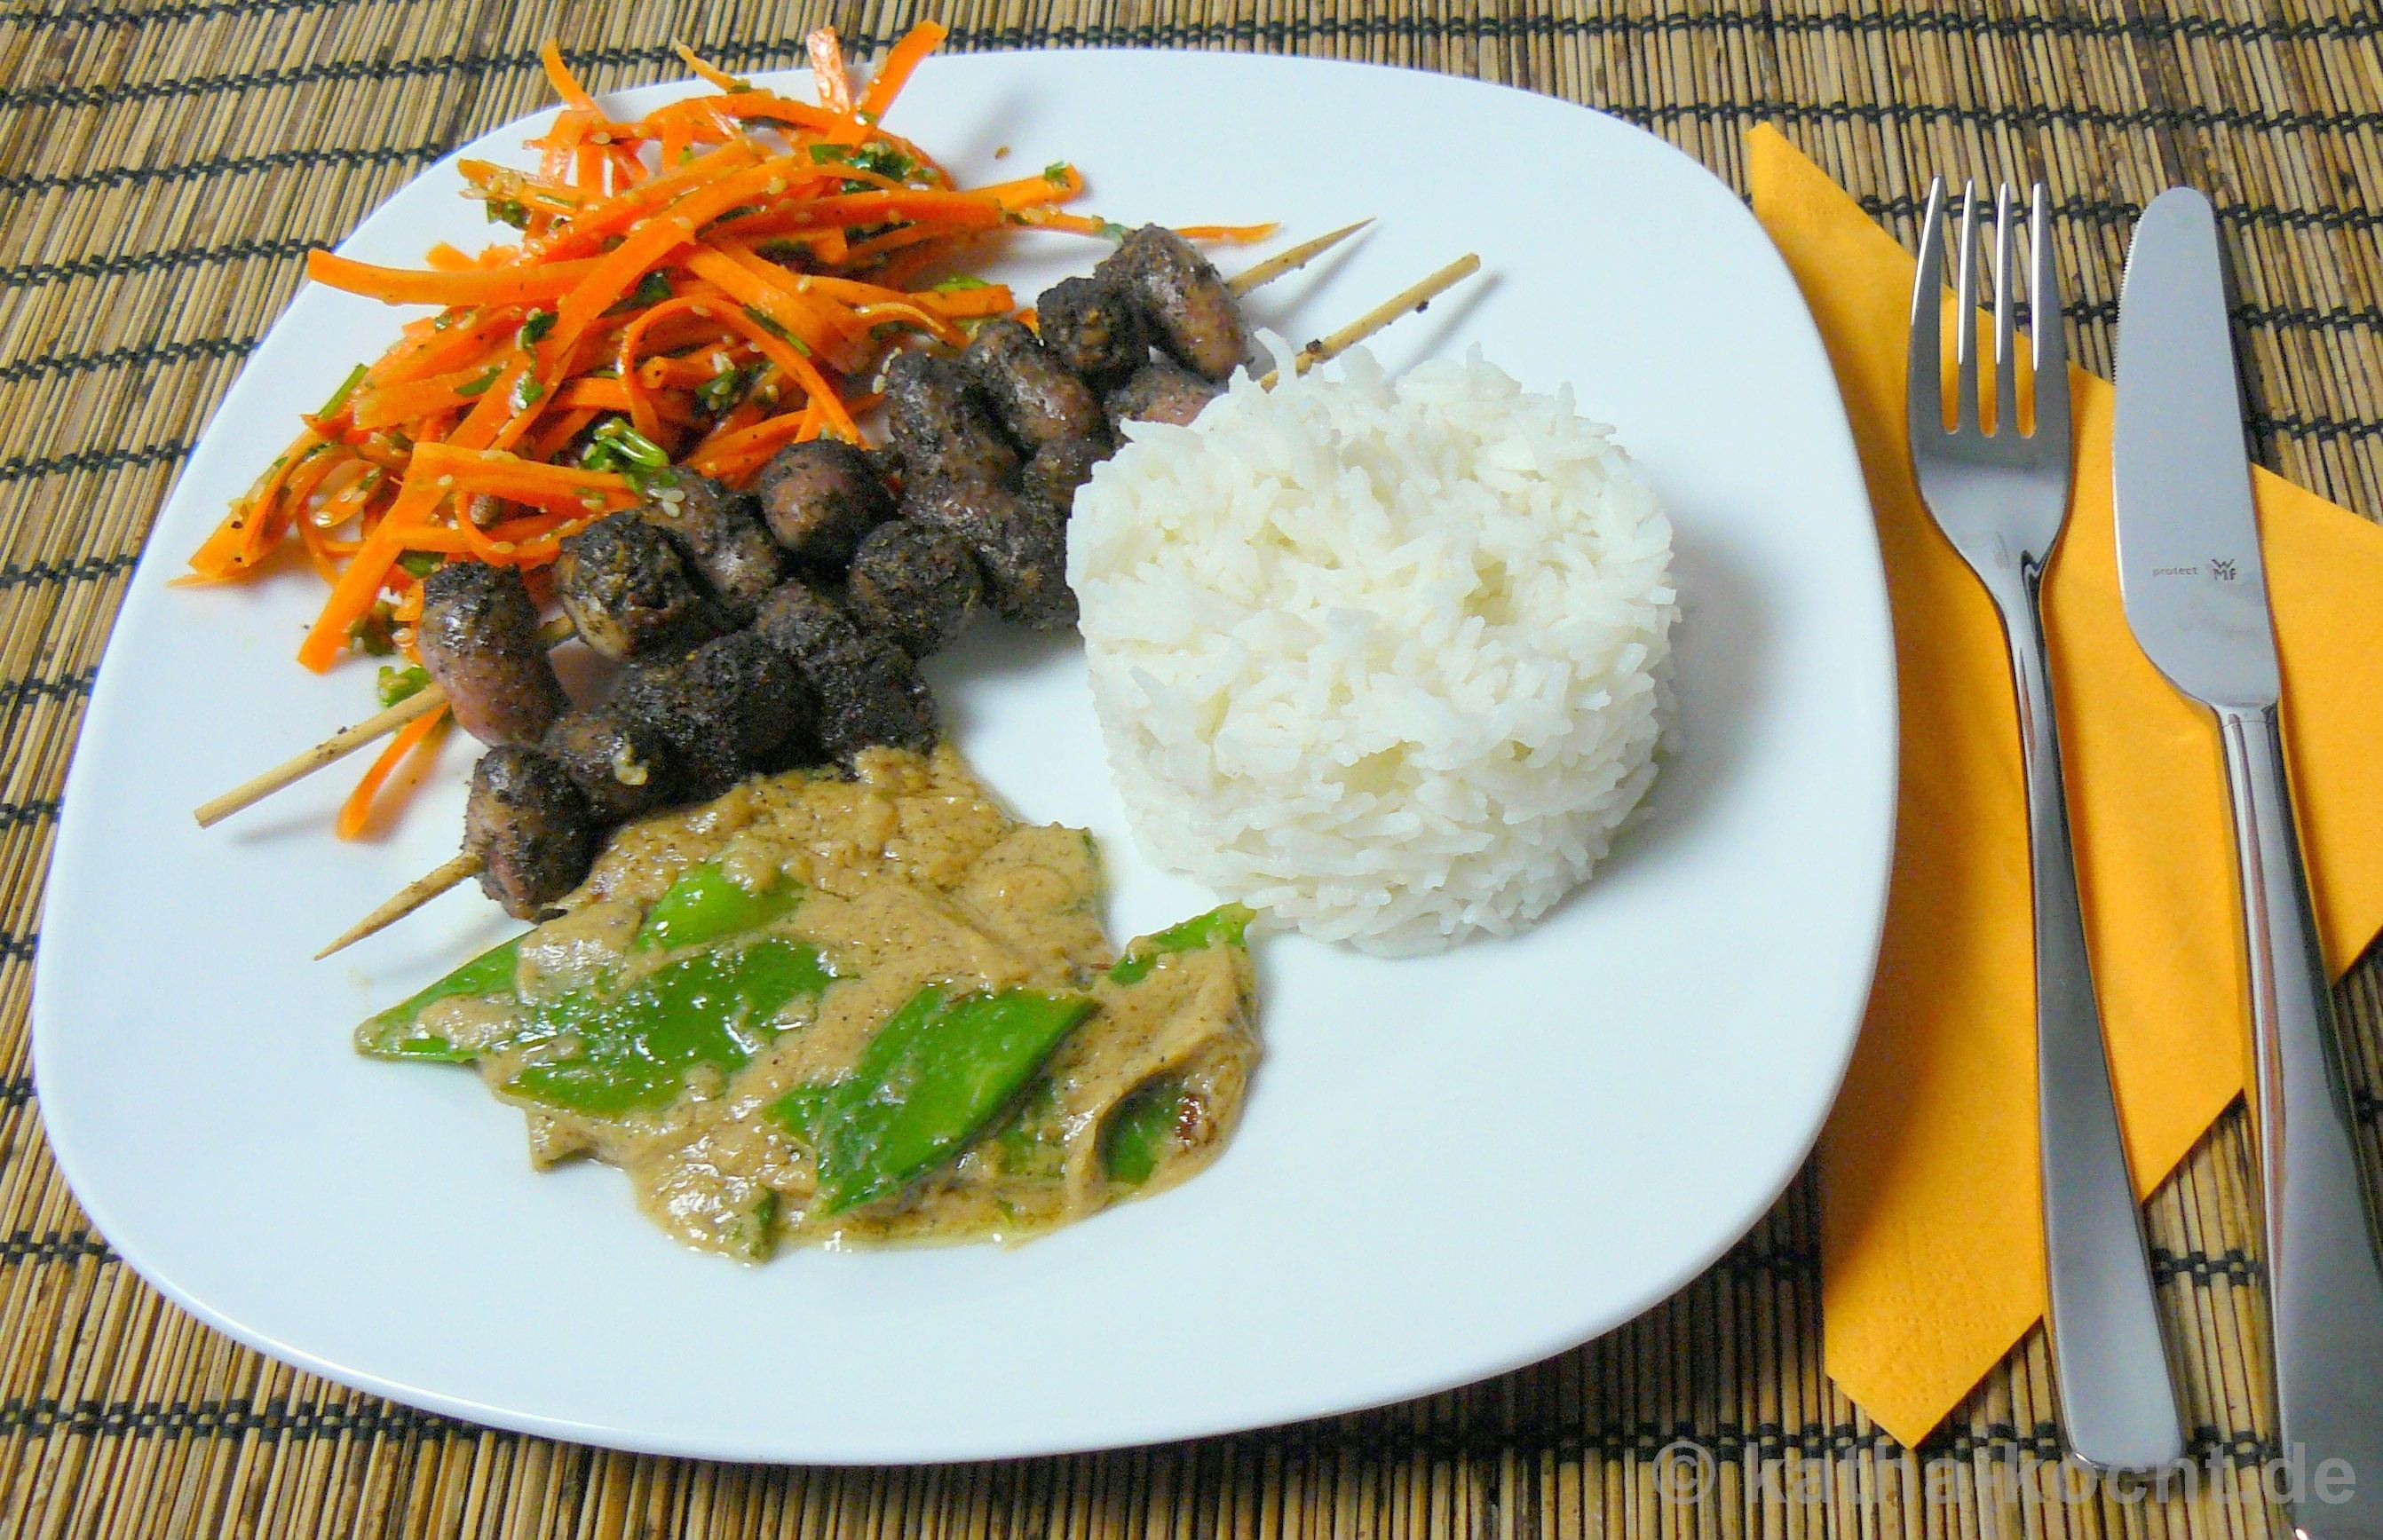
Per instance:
(162,167)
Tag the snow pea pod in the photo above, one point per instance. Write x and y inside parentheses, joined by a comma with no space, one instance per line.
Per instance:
(1140,1129)
(398,1032)
(1229,923)
(703,904)
(706,904)
(939,1070)
(633,1050)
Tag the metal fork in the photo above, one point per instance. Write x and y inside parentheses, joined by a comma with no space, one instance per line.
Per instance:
(2001,497)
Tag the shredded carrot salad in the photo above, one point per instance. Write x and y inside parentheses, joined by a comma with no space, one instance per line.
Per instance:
(700,286)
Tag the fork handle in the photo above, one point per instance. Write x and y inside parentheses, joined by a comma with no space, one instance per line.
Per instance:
(2325,1285)
(2118,1399)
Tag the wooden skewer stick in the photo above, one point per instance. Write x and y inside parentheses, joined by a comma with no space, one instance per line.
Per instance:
(1289,261)
(421,891)
(1408,301)
(346,741)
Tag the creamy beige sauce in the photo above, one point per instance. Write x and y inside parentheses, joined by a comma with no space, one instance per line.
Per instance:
(914,876)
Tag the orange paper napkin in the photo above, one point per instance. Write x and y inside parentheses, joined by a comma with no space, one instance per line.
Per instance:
(1931,1245)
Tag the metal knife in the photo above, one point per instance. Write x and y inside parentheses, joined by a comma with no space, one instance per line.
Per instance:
(2196,595)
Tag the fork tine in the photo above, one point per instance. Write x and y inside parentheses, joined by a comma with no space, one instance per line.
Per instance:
(1965,315)
(2046,328)
(1924,371)
(2005,354)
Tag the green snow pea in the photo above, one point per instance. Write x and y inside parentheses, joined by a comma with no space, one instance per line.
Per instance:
(706,904)
(398,1032)
(631,1049)
(939,1070)
(1229,923)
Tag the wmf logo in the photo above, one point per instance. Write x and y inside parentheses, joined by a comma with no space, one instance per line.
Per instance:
(2221,569)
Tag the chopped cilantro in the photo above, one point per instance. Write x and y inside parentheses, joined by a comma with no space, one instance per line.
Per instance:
(480,386)
(724,390)
(509,211)
(527,390)
(534,328)
(960,285)
(1059,173)
(781,333)
(397,683)
(347,388)
(615,446)
(371,632)
(420,563)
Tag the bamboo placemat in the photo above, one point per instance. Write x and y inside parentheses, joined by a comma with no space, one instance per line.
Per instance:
(162,167)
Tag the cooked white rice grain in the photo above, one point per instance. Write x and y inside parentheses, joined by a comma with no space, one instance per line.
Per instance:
(1384,657)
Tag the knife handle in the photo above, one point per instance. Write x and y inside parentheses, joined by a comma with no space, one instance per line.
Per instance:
(2117,1398)
(2325,1276)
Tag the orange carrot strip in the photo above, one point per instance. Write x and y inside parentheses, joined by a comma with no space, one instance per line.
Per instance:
(827,68)
(600,222)
(356,812)
(991,299)
(1075,224)
(558,430)
(405,403)
(977,210)
(1236,234)
(351,596)
(558,488)
(887,84)
(566,85)
(785,297)
(720,79)
(493,286)
(763,438)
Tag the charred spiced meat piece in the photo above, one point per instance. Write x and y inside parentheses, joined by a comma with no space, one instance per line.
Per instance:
(621,763)
(940,423)
(1021,544)
(630,593)
(868,690)
(533,831)
(1161,392)
(1038,399)
(821,499)
(1058,468)
(916,585)
(721,534)
(478,640)
(1183,300)
(730,708)
(1093,328)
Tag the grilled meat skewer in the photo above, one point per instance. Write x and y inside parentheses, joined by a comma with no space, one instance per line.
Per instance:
(721,534)
(1037,398)
(480,642)
(1020,544)
(1183,299)
(630,593)
(915,585)
(821,499)
(1160,391)
(940,423)
(533,834)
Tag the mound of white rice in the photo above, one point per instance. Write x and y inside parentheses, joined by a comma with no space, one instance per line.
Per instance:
(1384,657)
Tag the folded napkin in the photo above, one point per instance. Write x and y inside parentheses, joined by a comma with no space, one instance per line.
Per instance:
(1931,1242)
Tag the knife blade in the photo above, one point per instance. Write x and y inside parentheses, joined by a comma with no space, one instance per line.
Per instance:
(2188,568)
(2196,598)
